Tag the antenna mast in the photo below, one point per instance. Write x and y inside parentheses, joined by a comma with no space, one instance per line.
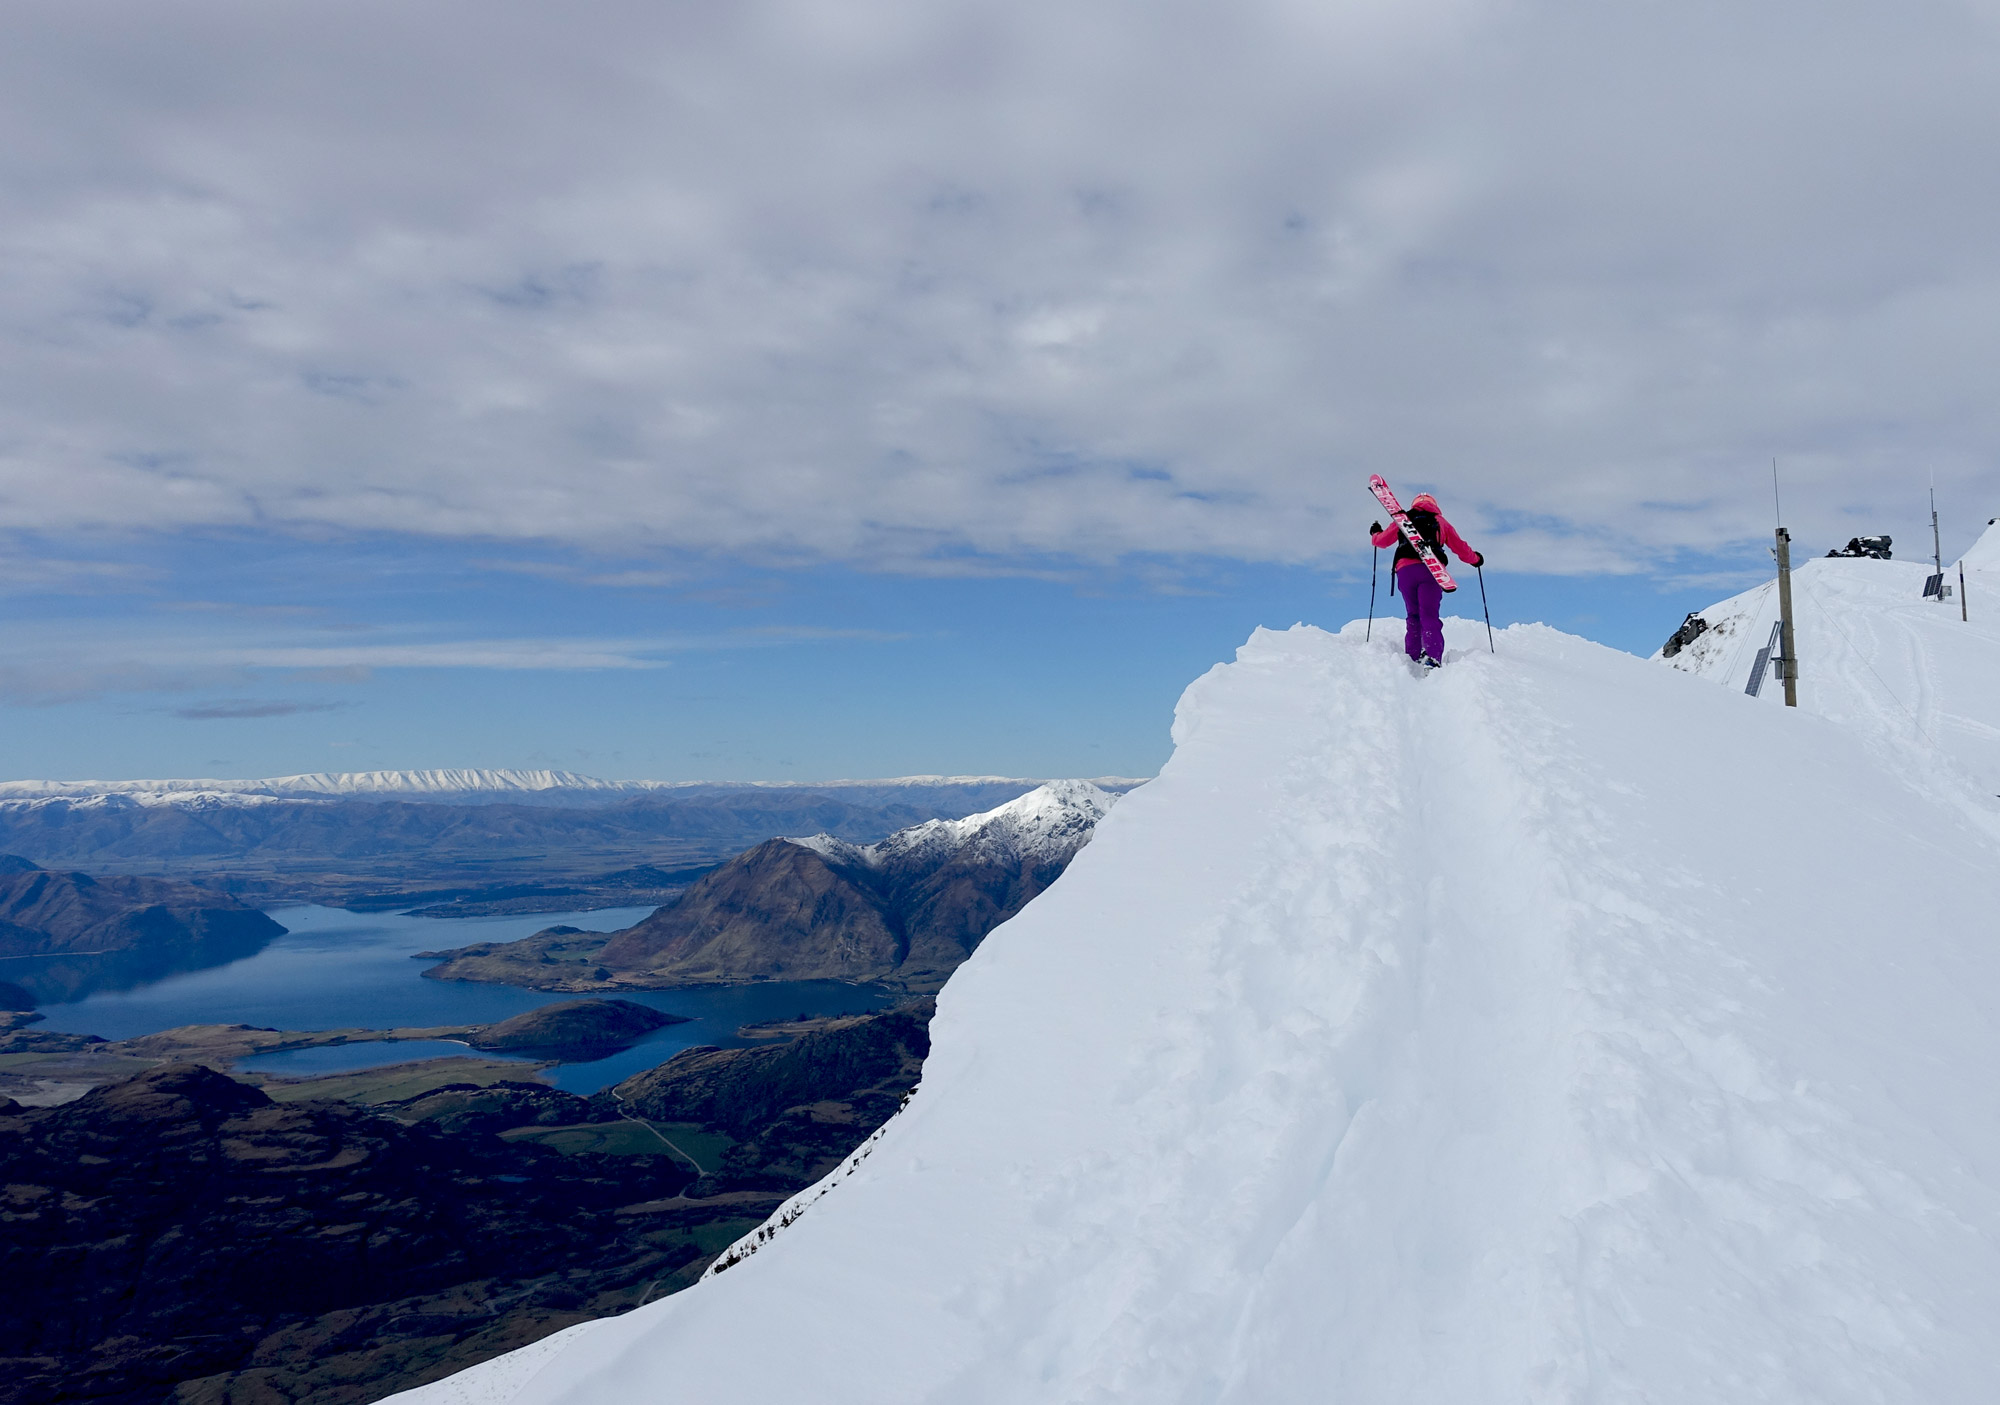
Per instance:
(1937,549)
(1788,666)
(1788,659)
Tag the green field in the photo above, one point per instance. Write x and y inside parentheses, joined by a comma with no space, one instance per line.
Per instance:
(84,1063)
(631,1138)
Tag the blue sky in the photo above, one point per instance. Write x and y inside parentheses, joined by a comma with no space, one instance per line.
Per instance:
(800,388)
(235,655)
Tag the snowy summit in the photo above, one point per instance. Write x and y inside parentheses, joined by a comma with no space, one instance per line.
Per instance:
(1914,675)
(1052,821)
(1554,1027)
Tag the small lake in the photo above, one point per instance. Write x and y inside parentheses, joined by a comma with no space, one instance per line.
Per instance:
(335,969)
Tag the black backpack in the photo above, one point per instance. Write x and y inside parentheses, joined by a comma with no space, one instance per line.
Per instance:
(1426,523)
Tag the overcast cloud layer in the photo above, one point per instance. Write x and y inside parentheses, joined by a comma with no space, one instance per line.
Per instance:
(903,283)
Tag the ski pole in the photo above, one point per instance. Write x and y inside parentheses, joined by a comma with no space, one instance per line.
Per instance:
(1375,569)
(1481,568)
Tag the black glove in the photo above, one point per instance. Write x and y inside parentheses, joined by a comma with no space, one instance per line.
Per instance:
(1374,529)
(1478,559)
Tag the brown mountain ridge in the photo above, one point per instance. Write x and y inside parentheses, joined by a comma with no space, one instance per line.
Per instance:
(903,913)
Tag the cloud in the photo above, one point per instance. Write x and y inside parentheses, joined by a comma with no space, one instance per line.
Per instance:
(816,634)
(919,285)
(48,662)
(51,663)
(28,572)
(505,654)
(238,711)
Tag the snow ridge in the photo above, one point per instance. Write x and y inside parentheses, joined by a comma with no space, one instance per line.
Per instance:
(1052,821)
(1552,1028)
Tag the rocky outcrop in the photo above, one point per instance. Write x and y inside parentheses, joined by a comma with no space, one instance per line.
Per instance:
(575,1030)
(117,931)
(181,1225)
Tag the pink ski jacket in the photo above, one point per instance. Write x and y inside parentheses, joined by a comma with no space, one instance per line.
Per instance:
(1389,536)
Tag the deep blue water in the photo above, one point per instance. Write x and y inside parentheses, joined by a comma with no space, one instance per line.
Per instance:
(336,969)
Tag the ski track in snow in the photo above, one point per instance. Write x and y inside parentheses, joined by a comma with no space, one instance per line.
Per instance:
(1555,1028)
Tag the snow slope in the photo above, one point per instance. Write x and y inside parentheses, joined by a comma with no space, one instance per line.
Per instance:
(1050,821)
(1875,655)
(1555,1028)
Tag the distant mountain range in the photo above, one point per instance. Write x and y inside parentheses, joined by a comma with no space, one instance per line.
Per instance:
(904,911)
(537,840)
(504,786)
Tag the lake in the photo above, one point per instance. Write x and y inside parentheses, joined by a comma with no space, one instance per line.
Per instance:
(336,969)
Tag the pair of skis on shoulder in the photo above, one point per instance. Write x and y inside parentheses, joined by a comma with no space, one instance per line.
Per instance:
(1432,561)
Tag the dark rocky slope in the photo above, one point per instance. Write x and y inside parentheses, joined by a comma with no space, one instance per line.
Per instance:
(181,1227)
(779,912)
(179,1236)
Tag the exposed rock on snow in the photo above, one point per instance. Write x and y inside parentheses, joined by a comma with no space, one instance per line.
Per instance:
(1552,1028)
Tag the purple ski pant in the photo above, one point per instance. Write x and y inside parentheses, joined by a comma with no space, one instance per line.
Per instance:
(1424,634)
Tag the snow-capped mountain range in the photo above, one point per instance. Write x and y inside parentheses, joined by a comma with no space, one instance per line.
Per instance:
(467,785)
(1556,1027)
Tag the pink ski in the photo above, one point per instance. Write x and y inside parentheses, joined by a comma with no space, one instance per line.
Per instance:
(1431,559)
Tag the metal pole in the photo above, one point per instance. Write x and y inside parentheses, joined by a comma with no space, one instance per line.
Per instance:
(1374,569)
(1481,568)
(1788,667)
(1937,549)
(1961,593)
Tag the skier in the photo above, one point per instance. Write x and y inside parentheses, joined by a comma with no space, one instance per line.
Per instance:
(1423,637)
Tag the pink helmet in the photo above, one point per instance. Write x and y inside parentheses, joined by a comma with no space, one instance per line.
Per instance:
(1424,502)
